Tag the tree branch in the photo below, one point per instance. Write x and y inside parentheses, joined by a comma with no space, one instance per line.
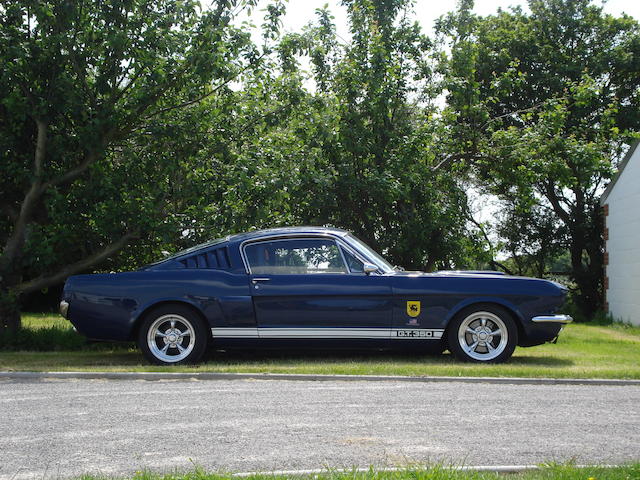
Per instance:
(204,95)
(46,281)
(516,112)
(90,157)
(16,240)
(555,203)
(451,158)
(74,173)
(41,144)
(494,263)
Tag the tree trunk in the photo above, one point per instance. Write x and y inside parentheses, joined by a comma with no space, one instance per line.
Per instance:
(9,312)
(588,277)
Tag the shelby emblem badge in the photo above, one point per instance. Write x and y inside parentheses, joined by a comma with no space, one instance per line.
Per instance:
(413,309)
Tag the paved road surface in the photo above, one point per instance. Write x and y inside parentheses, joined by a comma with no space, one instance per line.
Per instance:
(60,428)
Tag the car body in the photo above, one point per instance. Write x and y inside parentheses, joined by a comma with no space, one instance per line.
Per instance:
(309,287)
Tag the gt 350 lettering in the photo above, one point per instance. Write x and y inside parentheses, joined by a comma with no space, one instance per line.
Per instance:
(419,333)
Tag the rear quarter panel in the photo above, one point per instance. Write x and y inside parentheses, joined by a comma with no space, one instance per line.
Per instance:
(107,306)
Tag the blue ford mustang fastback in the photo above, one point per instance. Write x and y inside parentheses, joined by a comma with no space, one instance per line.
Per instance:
(310,287)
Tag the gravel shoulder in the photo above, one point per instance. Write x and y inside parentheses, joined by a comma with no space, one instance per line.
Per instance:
(64,427)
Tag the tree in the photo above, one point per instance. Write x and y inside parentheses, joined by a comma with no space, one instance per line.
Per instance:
(83,85)
(379,171)
(540,105)
(359,151)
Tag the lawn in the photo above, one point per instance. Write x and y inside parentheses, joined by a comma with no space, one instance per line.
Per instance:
(549,472)
(583,351)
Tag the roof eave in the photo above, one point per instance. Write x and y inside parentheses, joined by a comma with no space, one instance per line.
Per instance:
(623,164)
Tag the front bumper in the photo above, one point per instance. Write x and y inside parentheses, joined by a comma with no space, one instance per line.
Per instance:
(563,319)
(64,308)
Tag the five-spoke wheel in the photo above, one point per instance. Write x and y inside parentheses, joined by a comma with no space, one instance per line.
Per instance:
(483,333)
(172,334)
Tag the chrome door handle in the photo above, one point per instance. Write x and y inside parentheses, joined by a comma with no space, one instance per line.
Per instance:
(260,279)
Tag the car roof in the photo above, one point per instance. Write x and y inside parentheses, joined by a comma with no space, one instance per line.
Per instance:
(286,231)
(256,234)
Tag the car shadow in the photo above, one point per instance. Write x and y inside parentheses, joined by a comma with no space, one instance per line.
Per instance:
(292,356)
(301,355)
(539,360)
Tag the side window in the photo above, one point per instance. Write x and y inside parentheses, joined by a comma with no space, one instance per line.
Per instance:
(295,256)
(355,265)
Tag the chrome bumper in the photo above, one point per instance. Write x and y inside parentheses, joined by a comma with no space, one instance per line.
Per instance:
(64,308)
(564,319)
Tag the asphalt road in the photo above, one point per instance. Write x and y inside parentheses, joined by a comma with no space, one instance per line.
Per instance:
(61,428)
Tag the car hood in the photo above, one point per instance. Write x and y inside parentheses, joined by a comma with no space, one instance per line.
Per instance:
(479,274)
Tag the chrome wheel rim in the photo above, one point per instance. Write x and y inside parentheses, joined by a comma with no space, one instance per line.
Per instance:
(171,338)
(483,336)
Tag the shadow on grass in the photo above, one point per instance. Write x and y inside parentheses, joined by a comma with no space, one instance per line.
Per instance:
(78,349)
(539,360)
(291,356)
(51,339)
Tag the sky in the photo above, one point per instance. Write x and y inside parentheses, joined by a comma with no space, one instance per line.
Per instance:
(301,12)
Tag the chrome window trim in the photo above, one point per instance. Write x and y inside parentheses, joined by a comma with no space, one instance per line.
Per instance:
(344,259)
(373,260)
(344,247)
(355,253)
(311,236)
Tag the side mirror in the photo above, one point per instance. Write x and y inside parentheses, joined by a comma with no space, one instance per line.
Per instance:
(369,268)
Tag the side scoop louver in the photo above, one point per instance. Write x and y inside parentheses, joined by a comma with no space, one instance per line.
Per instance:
(217,258)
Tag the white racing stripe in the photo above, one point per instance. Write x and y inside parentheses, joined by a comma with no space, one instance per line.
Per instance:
(324,333)
(276,332)
(235,332)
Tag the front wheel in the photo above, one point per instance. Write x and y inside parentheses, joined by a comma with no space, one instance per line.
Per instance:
(171,335)
(483,333)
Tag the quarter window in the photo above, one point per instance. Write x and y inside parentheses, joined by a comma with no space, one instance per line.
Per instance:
(355,265)
(295,256)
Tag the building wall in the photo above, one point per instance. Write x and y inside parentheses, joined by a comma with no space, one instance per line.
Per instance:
(622,240)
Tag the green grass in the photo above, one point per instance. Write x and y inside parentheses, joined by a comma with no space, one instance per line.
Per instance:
(548,472)
(583,351)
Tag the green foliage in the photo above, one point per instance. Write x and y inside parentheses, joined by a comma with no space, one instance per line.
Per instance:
(41,340)
(541,104)
(379,171)
(49,333)
(548,471)
(89,98)
(132,128)
(360,152)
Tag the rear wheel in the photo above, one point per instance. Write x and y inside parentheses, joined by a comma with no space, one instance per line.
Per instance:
(171,335)
(483,333)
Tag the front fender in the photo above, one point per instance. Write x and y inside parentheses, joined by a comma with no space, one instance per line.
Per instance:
(529,333)
(485,299)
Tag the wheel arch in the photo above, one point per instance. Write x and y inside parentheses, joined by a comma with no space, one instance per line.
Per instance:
(139,318)
(515,313)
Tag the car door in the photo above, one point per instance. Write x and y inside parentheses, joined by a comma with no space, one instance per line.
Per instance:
(314,288)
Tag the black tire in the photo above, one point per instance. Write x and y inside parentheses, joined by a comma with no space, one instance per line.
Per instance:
(172,334)
(483,333)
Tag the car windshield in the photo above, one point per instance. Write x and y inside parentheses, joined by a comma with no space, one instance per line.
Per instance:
(371,254)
